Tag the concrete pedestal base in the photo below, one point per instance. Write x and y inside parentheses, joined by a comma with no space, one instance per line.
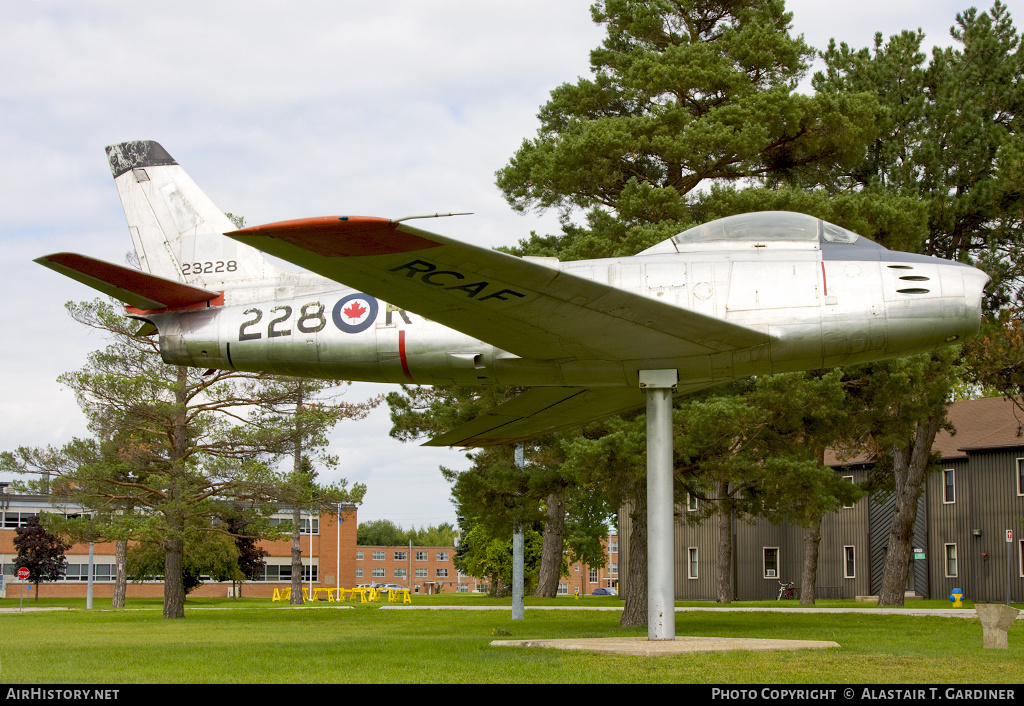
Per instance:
(996,619)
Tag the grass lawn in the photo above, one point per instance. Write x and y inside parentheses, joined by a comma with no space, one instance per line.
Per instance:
(255,641)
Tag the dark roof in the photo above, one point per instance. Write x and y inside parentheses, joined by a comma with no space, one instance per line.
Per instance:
(989,423)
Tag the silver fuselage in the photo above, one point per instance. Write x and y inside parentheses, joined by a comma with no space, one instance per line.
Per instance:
(821,307)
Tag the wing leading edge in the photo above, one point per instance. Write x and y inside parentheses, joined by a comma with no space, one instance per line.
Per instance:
(519,306)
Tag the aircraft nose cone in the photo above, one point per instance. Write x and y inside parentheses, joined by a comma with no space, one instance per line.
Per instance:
(975,282)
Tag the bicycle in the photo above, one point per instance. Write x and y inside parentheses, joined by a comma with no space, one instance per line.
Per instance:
(787,591)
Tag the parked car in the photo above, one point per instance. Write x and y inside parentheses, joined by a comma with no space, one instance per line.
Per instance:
(603,592)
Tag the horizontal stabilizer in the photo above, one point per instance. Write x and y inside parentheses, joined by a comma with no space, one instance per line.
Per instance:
(133,287)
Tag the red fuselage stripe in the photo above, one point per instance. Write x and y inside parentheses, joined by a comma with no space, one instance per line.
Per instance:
(824,281)
(401,355)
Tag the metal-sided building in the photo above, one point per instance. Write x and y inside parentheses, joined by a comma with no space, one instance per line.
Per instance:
(965,516)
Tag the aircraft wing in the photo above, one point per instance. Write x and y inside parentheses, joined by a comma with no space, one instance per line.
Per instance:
(543,410)
(540,410)
(134,287)
(514,304)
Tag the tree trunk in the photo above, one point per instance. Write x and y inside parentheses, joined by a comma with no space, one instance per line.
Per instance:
(120,573)
(553,549)
(174,584)
(296,598)
(723,567)
(910,464)
(174,544)
(812,541)
(634,612)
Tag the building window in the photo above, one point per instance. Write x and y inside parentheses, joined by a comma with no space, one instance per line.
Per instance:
(378,573)
(951,561)
(463,588)
(948,486)
(442,556)
(849,563)
(303,524)
(613,568)
(692,563)
(378,556)
(80,572)
(613,546)
(563,589)
(593,576)
(771,562)
(1020,556)
(400,556)
(422,556)
(691,502)
(442,573)
(359,573)
(399,573)
(283,572)
(421,573)
(359,556)
(13,520)
(1020,476)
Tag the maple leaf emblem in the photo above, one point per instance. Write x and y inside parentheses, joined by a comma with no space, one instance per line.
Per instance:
(354,310)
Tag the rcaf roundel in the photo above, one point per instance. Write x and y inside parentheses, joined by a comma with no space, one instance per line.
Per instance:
(355,313)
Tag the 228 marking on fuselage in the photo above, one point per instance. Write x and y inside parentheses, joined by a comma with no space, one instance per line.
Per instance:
(430,274)
(352,314)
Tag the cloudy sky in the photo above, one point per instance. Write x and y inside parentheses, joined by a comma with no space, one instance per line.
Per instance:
(283,110)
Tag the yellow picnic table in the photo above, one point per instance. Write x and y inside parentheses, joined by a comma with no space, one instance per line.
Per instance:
(396,595)
(366,594)
(317,592)
(285,594)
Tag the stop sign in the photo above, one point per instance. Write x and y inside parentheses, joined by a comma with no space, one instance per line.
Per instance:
(23,573)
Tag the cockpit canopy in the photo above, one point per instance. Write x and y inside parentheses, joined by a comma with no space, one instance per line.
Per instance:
(763,229)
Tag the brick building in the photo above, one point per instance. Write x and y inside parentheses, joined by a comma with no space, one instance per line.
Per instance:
(328,557)
(420,569)
(586,579)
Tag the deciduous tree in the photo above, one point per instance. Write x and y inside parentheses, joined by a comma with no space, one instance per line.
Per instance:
(40,552)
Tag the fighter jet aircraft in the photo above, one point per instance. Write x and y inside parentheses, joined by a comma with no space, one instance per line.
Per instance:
(382,300)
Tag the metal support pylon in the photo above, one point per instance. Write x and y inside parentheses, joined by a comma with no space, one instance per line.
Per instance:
(518,572)
(661,617)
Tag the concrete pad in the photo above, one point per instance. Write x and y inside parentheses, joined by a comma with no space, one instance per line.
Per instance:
(642,647)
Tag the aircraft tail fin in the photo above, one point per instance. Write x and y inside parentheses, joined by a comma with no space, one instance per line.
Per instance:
(177,230)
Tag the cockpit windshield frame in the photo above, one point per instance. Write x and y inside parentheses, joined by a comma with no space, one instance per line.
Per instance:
(764,229)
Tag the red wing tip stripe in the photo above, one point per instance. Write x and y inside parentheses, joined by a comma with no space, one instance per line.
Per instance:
(341,236)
